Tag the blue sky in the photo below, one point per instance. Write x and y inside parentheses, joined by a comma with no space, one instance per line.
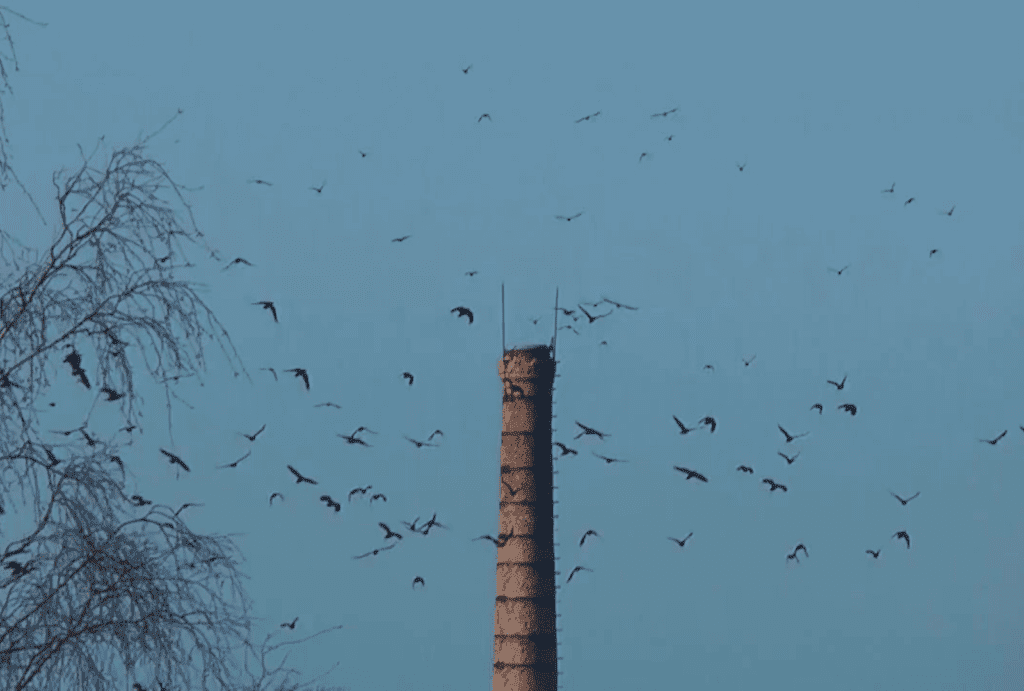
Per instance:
(825,107)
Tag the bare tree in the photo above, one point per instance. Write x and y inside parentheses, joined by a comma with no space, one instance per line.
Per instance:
(101,588)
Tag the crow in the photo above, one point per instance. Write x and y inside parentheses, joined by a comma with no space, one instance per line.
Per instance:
(300,478)
(353,439)
(432,523)
(401,239)
(256,434)
(408,375)
(268,305)
(390,533)
(840,271)
(139,501)
(362,490)
(499,541)
(682,428)
(463,312)
(839,385)
(690,474)
(589,532)
(569,218)
(665,114)
(578,568)
(262,182)
(950,212)
(472,273)
(746,363)
(75,360)
(319,189)
(485,115)
(683,541)
(330,502)
(891,189)
(376,551)
(901,499)
(237,260)
(271,370)
(565,449)
(709,421)
(290,626)
(903,534)
(174,459)
(587,117)
(993,441)
(435,432)
(931,253)
(235,464)
(818,406)
(419,444)
(775,485)
(745,469)
(710,367)
(591,318)
(789,459)
(328,403)
(848,407)
(275,494)
(610,460)
(418,579)
(790,437)
(590,430)
(299,372)
(619,305)
(873,552)
(362,153)
(378,496)
(908,201)
(741,167)
(111,394)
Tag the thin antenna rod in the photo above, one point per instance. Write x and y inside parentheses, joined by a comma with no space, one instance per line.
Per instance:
(503,351)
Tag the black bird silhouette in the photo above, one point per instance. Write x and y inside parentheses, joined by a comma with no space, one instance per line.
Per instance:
(299,477)
(589,532)
(472,273)
(328,403)
(418,579)
(401,239)
(993,441)
(683,428)
(361,490)
(745,469)
(262,182)
(362,153)
(818,406)
(665,114)
(485,115)
(299,372)
(903,534)
(590,430)
(237,260)
(353,439)
(891,189)
(793,556)
(873,552)
(587,117)
(618,304)
(801,547)
(709,421)
(950,212)
(690,474)
(463,312)
(591,318)
(901,499)
(290,626)
(578,568)
(741,167)
(389,531)
(330,502)
(434,433)
(789,459)
(931,253)
(432,523)
(511,491)
(848,407)
(235,464)
(419,444)
(710,367)
(839,385)
(775,485)
(609,460)
(466,70)
(791,437)
(174,459)
(378,496)
(566,312)
(376,551)
(271,370)
(408,375)
(412,526)
(565,449)
(642,156)
(75,360)
(268,305)
(139,501)
(569,218)
(840,271)
(275,494)
(253,436)
(499,541)
(746,363)
(683,541)
(908,201)
(111,394)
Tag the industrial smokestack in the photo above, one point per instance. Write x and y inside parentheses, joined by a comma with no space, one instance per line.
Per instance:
(525,642)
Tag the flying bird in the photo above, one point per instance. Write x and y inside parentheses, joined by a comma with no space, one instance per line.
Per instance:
(610,460)
(950,212)
(268,305)
(378,496)
(275,494)
(993,441)
(174,459)
(710,367)
(290,626)
(908,201)
(352,438)
(801,547)
(873,552)
(253,436)
(681,542)
(262,182)
(434,433)
(432,523)
(271,370)
(330,502)
(745,469)
(362,153)
(376,551)
(299,477)
(690,474)
(589,532)
(408,375)
(569,218)
(590,430)
(412,526)
(362,490)
(418,579)
(237,260)
(665,114)
(642,156)
(472,273)
(618,304)
(746,363)
(891,189)
(299,372)
(901,499)
(931,253)
(818,406)
(463,312)
(682,428)
(485,115)
(775,485)
(319,189)
(741,167)
(499,541)
(565,449)
(709,421)
(793,556)
(848,407)
(512,492)
(839,385)
(591,318)
(402,239)
(789,459)
(389,531)
(587,117)
(328,403)
(903,534)
(578,568)
(75,360)
(419,444)
(790,437)
(466,70)
(235,464)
